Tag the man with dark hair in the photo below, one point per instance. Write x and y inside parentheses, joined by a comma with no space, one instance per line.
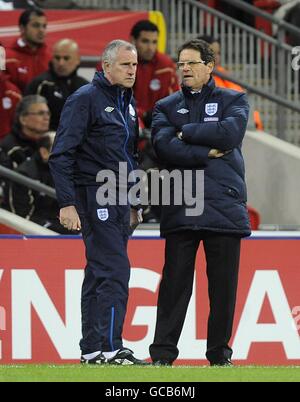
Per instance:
(61,80)
(156,73)
(28,56)
(201,128)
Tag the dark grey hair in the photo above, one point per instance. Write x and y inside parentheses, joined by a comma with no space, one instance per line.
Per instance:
(111,51)
(25,104)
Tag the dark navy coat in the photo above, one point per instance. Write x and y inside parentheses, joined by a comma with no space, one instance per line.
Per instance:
(98,130)
(215,118)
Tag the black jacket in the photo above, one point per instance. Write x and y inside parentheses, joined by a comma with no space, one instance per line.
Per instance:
(32,205)
(94,134)
(56,90)
(216,118)
(15,148)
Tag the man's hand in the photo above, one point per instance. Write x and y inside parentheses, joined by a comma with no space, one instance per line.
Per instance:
(217,153)
(136,217)
(69,218)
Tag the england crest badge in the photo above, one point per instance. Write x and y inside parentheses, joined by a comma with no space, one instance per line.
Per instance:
(103,214)
(211,109)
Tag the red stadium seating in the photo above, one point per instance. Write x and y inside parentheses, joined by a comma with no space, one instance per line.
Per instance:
(254,218)
(269,6)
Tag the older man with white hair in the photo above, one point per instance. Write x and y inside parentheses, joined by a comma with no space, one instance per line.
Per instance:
(98,131)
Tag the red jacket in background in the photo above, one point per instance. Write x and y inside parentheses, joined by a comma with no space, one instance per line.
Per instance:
(9,98)
(24,64)
(155,80)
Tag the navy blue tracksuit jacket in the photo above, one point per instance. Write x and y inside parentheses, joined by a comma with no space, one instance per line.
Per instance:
(98,130)
(216,118)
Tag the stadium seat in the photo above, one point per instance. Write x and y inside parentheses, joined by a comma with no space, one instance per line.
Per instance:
(254,217)
(270,6)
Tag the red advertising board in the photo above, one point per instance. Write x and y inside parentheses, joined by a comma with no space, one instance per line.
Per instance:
(91,29)
(40,282)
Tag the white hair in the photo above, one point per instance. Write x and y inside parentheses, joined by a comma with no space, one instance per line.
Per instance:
(110,52)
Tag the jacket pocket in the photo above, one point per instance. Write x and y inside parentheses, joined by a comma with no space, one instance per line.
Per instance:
(235,193)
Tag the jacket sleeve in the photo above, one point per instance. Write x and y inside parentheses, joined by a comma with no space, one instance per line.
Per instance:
(74,124)
(224,135)
(169,148)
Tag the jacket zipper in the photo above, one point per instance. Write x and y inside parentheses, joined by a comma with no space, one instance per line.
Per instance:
(127,132)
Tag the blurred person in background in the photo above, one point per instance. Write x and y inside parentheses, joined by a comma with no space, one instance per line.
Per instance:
(156,73)
(156,79)
(33,205)
(28,56)
(30,124)
(61,80)
(223,83)
(10,96)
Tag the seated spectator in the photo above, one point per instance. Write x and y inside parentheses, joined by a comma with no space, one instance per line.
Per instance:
(28,56)
(30,124)
(30,204)
(223,83)
(9,98)
(61,79)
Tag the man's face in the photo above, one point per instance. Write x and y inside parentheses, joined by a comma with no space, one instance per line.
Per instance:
(146,45)
(35,31)
(65,60)
(37,118)
(194,72)
(122,71)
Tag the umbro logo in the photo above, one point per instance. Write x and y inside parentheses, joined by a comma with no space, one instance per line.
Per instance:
(109,109)
(183,111)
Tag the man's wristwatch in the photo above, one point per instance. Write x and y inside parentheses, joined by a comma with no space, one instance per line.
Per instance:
(180,136)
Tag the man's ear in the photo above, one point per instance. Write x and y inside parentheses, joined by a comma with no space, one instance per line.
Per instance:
(211,66)
(105,66)
(22,120)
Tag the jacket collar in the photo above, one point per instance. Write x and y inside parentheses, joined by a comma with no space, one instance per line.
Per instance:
(114,90)
(21,46)
(207,88)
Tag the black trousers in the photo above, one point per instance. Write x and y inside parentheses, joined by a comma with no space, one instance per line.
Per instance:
(222,257)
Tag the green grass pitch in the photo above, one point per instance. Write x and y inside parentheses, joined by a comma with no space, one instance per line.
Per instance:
(71,373)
